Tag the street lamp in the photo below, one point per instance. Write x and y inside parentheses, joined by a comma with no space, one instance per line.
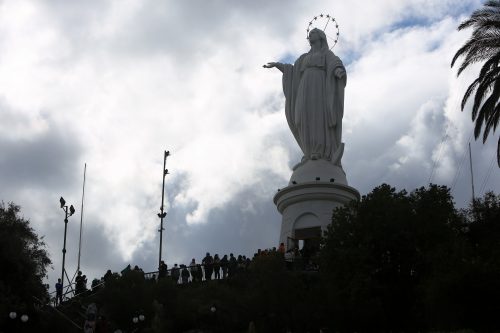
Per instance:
(71,212)
(162,214)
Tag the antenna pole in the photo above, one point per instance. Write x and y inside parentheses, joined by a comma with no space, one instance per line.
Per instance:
(471,174)
(64,245)
(81,218)
(162,214)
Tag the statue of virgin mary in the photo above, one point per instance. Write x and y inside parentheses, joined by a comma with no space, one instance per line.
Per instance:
(314,91)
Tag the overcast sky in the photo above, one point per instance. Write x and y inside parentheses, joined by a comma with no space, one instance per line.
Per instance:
(115,83)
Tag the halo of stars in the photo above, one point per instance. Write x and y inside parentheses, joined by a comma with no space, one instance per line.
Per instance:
(329,20)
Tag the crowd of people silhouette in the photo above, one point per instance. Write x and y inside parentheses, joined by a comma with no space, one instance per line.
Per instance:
(209,268)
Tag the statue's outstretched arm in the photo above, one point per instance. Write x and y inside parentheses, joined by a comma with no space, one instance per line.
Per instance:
(278,65)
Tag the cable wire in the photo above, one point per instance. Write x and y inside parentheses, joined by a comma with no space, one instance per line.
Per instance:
(487,175)
(443,140)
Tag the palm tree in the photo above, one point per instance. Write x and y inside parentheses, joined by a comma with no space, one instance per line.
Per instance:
(484,45)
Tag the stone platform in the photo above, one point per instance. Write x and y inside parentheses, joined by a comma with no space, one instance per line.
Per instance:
(315,189)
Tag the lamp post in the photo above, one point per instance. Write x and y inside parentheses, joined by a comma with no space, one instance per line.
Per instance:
(162,214)
(71,212)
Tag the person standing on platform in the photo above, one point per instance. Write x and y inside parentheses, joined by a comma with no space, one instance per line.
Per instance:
(216,267)
(59,292)
(232,265)
(192,270)
(176,273)
(162,271)
(223,264)
(208,262)
(184,274)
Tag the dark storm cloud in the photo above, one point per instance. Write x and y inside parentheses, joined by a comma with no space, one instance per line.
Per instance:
(45,159)
(248,222)
(403,152)
(99,253)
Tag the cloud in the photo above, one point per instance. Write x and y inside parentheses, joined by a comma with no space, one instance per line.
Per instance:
(115,83)
(36,152)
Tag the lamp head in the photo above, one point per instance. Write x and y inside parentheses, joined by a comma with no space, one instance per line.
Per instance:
(71,210)
(62,202)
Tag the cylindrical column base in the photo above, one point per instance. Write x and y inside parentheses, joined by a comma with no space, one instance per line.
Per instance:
(307,208)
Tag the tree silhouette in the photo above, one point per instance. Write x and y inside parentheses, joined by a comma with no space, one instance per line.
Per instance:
(484,45)
(23,261)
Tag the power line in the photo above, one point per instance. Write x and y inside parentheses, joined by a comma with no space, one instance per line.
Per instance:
(443,140)
(488,173)
(457,174)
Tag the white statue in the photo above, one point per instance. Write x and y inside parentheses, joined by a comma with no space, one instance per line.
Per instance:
(314,92)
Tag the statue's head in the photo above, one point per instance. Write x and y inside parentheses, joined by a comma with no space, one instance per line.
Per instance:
(318,36)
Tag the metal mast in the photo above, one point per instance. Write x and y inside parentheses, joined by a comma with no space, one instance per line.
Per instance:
(66,215)
(471,174)
(81,218)
(162,214)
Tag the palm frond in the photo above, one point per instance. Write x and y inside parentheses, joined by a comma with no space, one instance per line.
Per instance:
(496,114)
(480,44)
(484,86)
(484,117)
(483,45)
(478,124)
(477,49)
(492,123)
(492,3)
(491,65)
(498,152)
(477,54)
(490,10)
(469,92)
(489,106)
(481,19)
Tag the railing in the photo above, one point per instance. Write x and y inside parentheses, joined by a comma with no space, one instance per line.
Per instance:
(53,295)
(60,313)
(295,264)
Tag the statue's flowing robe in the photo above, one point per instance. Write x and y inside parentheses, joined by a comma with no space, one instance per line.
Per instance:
(315,104)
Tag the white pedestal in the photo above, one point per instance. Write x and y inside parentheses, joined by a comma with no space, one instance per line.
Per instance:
(316,188)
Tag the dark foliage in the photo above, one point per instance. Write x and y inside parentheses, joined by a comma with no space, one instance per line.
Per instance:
(484,45)
(23,262)
(395,261)
(411,262)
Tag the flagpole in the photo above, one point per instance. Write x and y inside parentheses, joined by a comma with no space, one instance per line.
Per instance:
(471,173)
(81,217)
